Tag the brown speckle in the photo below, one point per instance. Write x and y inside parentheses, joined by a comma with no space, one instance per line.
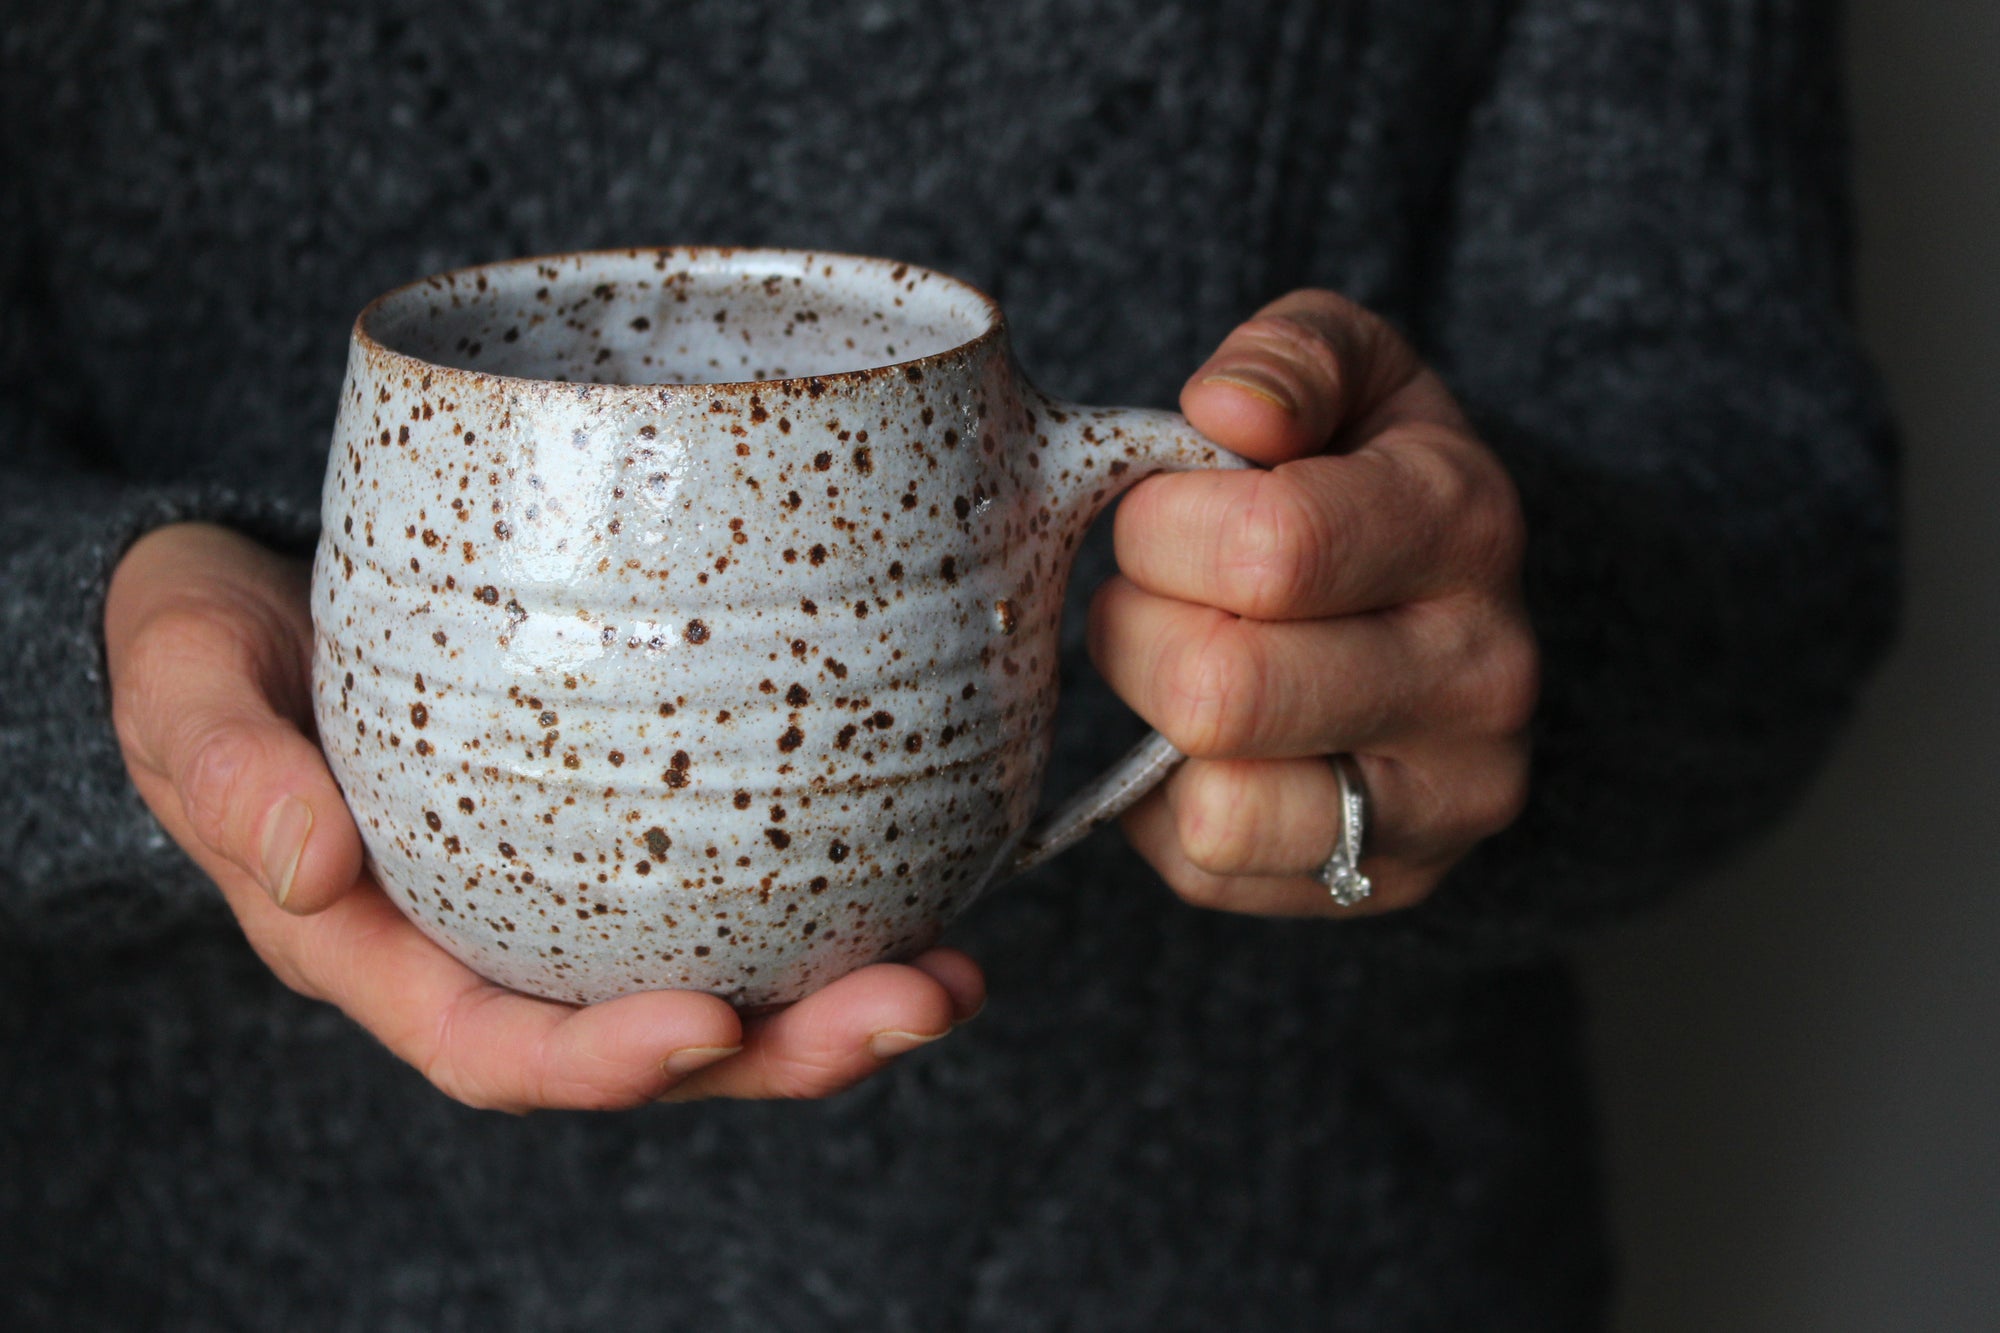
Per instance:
(419,715)
(791,740)
(657,841)
(697,632)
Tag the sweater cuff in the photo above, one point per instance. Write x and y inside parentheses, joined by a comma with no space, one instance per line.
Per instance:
(81,858)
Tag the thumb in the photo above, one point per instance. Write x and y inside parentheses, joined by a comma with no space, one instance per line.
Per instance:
(255,791)
(1306,367)
(207,639)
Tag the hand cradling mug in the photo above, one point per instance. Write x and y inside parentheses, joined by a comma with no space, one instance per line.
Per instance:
(687,619)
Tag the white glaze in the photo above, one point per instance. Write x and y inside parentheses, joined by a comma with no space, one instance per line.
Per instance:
(647,680)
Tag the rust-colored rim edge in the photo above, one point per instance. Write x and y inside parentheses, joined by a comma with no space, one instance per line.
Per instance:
(994,331)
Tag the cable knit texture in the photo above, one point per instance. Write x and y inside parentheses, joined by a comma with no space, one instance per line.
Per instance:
(1618,228)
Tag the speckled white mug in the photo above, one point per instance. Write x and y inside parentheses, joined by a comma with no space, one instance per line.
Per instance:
(688,618)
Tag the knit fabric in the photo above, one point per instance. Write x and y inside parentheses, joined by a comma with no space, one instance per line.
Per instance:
(1617,228)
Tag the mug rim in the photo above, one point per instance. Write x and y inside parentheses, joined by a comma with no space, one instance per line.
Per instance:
(993,331)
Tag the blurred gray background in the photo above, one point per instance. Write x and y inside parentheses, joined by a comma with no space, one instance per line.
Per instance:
(1800,1062)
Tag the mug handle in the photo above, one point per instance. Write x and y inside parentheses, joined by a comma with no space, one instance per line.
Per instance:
(1096,454)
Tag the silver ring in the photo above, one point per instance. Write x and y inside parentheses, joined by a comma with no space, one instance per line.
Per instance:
(1342,872)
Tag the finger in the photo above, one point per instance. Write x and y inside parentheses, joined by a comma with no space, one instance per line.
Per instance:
(1260,817)
(962,979)
(1284,383)
(195,705)
(1414,514)
(1219,686)
(1153,831)
(1222,687)
(833,1038)
(482,1044)
(1282,817)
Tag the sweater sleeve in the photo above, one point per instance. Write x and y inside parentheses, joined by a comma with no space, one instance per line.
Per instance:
(80,856)
(1640,296)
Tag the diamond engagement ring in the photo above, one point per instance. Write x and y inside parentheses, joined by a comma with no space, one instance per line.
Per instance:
(1342,872)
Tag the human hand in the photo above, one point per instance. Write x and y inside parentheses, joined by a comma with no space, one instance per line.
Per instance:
(209,645)
(1362,596)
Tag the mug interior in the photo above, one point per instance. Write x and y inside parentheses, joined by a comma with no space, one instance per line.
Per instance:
(680,316)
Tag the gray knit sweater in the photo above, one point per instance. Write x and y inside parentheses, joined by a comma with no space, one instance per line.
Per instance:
(1618,228)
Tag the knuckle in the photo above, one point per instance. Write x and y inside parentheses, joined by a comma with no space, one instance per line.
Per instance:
(1272,552)
(1216,821)
(1493,532)
(170,644)
(1497,802)
(446,1071)
(180,637)
(1511,688)
(1447,488)
(447,1077)
(799,1078)
(1295,343)
(216,769)
(1210,692)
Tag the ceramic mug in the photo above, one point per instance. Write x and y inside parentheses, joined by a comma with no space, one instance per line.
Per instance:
(687,619)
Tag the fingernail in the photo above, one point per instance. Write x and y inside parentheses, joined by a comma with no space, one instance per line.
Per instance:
(888,1045)
(690,1058)
(1253,380)
(969,1017)
(286,829)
